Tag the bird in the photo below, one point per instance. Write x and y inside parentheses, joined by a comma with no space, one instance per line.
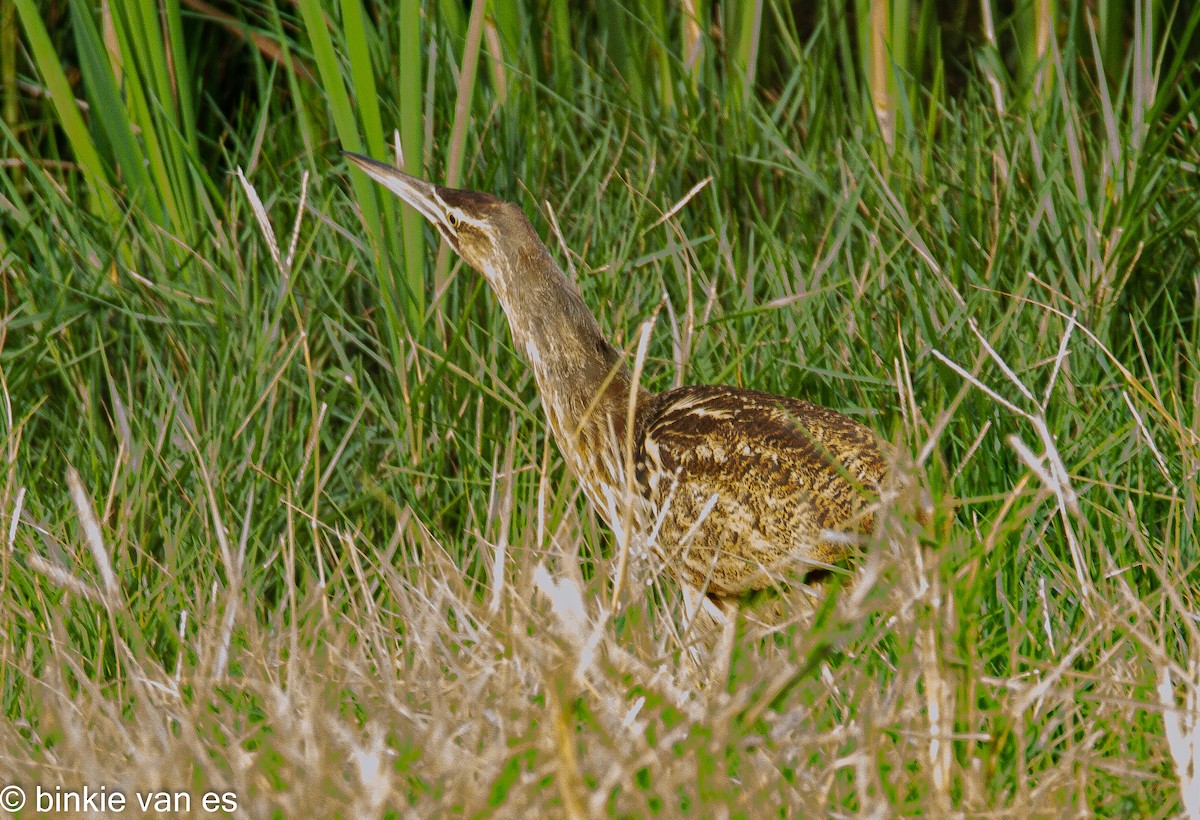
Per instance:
(728,487)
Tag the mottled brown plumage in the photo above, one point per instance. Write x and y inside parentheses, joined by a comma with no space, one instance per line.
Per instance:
(788,477)
(726,486)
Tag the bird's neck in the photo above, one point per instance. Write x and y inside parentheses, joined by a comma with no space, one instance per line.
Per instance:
(582,379)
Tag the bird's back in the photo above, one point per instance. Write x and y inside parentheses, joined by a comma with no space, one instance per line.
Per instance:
(744,483)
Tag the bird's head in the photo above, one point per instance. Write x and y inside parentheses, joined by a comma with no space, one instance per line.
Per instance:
(477,226)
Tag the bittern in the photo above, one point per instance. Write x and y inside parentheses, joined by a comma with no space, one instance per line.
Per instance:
(726,486)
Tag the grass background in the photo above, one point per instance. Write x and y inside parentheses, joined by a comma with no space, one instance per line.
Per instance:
(280,514)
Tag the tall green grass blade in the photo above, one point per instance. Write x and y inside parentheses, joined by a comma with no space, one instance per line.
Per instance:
(1035,26)
(1111,22)
(148,105)
(563,59)
(658,53)
(82,147)
(901,50)
(465,94)
(462,114)
(745,54)
(936,101)
(110,114)
(621,33)
(452,19)
(348,134)
(140,37)
(359,54)
(181,70)
(411,54)
(302,112)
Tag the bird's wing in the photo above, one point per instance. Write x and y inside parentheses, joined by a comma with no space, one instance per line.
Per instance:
(744,481)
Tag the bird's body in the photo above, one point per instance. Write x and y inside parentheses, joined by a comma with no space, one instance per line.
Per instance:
(786,480)
(726,486)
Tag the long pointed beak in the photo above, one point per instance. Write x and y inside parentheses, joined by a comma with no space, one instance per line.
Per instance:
(418,193)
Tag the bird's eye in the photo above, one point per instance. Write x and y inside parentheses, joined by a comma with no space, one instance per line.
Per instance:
(453,219)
